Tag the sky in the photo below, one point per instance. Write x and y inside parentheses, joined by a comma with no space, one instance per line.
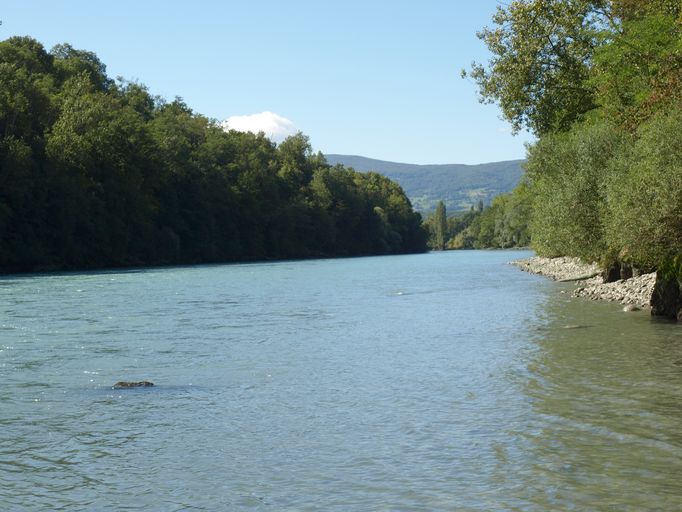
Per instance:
(377,78)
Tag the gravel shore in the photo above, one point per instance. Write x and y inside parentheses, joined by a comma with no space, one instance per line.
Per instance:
(559,269)
(634,292)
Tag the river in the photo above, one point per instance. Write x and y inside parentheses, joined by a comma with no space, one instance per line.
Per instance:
(441,381)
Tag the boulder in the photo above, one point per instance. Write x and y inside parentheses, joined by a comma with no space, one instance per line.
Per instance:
(611,273)
(619,270)
(124,384)
(626,271)
(666,299)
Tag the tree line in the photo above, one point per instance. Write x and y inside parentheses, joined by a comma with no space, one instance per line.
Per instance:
(98,172)
(599,82)
(501,225)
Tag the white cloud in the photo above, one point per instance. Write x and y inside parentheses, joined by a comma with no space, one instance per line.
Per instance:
(275,127)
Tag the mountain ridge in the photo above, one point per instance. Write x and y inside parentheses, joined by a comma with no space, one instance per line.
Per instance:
(460,186)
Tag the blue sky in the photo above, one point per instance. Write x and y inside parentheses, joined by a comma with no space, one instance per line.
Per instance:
(374,78)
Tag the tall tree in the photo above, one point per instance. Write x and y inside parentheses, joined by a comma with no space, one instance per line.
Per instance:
(541,57)
(440,226)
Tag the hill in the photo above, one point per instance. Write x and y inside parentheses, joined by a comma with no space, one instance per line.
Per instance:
(460,186)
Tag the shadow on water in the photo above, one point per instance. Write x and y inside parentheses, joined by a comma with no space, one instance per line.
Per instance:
(7,279)
(8,276)
(605,429)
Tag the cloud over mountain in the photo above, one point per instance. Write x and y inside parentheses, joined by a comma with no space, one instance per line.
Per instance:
(275,127)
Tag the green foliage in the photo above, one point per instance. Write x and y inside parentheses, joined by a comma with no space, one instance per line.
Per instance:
(671,269)
(502,225)
(640,71)
(601,83)
(100,173)
(295,162)
(553,61)
(438,228)
(644,215)
(538,73)
(510,215)
(458,186)
(70,62)
(568,172)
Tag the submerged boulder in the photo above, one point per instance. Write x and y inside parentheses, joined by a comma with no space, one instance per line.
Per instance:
(124,384)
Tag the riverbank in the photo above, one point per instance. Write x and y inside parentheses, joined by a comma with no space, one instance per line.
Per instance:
(635,291)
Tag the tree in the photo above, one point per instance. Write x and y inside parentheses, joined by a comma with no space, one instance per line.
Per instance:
(644,208)
(600,83)
(96,172)
(440,227)
(568,172)
(70,62)
(295,154)
(639,71)
(541,59)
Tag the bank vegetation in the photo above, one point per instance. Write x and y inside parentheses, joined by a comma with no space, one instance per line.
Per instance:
(599,83)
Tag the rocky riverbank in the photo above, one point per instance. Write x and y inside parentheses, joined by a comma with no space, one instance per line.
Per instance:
(633,292)
(559,269)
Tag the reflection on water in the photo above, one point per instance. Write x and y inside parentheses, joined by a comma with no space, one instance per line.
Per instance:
(433,382)
(605,430)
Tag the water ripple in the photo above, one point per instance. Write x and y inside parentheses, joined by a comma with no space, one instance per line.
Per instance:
(431,382)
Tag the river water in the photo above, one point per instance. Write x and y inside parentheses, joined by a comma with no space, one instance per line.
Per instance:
(443,381)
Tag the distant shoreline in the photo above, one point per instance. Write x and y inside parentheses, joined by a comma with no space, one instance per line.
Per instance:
(128,268)
(636,291)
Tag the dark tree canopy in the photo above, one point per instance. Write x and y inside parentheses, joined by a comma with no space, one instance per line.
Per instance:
(96,172)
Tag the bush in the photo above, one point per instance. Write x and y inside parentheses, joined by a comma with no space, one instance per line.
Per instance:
(568,174)
(644,214)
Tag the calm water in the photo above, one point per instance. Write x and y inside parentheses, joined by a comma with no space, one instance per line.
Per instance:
(431,382)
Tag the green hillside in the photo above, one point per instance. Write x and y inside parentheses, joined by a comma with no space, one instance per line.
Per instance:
(460,186)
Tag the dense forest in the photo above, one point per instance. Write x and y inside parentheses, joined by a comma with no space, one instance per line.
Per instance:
(599,82)
(98,172)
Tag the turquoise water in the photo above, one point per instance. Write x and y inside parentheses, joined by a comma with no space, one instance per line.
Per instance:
(443,381)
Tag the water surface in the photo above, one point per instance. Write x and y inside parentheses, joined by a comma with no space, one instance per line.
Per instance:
(444,381)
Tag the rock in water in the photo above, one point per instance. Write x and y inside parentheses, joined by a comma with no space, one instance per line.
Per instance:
(124,384)
(630,307)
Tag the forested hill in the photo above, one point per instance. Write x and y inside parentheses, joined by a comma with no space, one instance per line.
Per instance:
(98,172)
(459,186)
